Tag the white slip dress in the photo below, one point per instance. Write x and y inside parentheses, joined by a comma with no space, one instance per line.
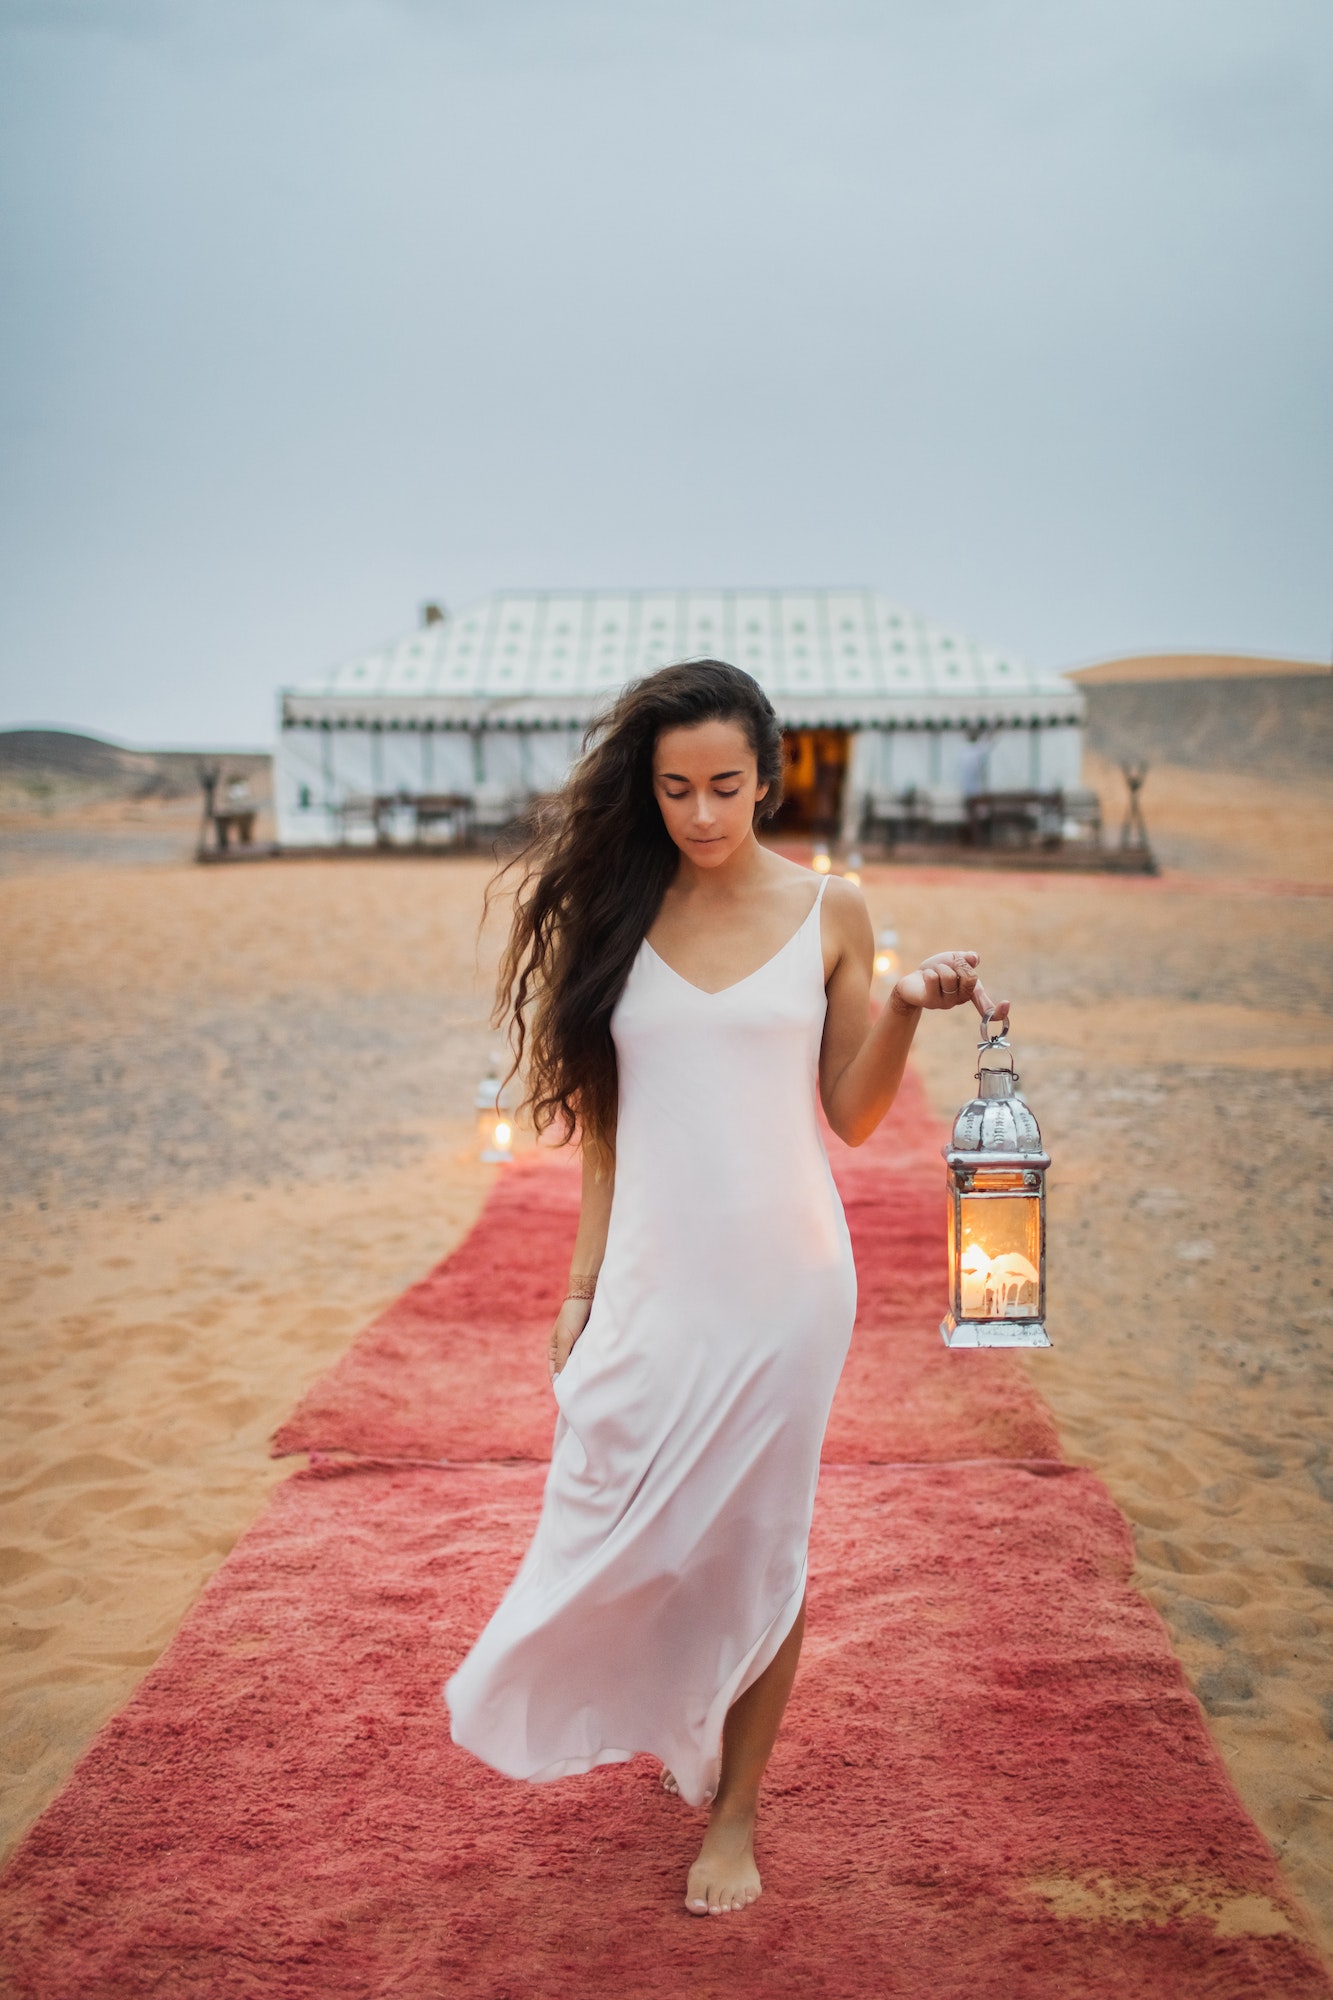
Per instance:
(669,1561)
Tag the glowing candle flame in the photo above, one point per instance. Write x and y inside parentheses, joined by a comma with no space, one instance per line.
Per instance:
(1003,1287)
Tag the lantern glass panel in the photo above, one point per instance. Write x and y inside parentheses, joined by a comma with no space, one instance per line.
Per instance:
(999,1263)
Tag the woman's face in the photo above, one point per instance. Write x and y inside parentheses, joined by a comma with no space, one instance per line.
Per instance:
(707,785)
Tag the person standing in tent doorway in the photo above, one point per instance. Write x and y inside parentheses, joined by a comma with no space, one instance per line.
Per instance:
(679,997)
(974,761)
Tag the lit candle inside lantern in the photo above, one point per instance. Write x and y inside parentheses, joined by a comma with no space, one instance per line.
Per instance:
(821,862)
(1003,1287)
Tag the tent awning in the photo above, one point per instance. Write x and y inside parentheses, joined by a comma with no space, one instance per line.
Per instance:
(1047,709)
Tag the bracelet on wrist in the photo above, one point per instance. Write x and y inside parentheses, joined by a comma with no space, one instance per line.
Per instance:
(581,1287)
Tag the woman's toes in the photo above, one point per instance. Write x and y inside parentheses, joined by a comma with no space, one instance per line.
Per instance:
(724,1879)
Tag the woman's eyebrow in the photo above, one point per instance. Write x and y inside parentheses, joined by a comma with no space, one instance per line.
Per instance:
(679,778)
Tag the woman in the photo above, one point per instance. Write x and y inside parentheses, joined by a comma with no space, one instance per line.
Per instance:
(678,993)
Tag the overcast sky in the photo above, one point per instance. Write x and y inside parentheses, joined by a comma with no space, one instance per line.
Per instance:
(1016,310)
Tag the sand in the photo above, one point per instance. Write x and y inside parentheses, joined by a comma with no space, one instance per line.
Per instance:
(239,1113)
(1196,667)
(1226,823)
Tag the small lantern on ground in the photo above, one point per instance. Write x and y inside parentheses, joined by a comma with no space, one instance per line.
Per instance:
(997,1212)
(886,953)
(821,860)
(495,1126)
(851,867)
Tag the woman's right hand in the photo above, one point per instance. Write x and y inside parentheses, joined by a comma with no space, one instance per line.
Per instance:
(569,1324)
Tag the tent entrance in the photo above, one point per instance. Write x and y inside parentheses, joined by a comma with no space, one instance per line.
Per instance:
(813,778)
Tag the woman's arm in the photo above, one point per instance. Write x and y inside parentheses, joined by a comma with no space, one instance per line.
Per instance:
(599,1180)
(861,1062)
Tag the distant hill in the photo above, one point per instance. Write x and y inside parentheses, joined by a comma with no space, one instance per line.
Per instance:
(48,766)
(1212,712)
(1194,667)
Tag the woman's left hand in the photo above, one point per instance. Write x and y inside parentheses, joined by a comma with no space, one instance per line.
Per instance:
(948,979)
(566,1333)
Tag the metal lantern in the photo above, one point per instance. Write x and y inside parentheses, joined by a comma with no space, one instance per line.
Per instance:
(495,1126)
(997,1212)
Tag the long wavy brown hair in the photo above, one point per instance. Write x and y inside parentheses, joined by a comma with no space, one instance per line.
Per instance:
(594,868)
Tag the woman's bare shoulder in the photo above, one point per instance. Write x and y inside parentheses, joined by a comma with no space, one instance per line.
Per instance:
(845,911)
(848,914)
(790,880)
(781,869)
(846,899)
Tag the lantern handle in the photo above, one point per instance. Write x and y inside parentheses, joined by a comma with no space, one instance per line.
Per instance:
(994,1014)
(990,1010)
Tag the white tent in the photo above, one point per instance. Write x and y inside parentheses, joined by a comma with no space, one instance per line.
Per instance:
(471,716)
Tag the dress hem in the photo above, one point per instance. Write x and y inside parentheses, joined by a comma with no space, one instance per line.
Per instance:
(760,1656)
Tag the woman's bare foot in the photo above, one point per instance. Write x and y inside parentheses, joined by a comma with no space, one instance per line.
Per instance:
(724,1878)
(669,1782)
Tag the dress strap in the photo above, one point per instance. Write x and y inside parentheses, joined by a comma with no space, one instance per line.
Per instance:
(816,930)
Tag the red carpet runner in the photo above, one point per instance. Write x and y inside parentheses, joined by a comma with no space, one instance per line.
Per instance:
(993,1780)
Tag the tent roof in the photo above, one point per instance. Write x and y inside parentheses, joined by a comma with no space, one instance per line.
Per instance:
(527,656)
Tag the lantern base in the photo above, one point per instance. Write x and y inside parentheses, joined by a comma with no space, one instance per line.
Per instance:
(993,1332)
(493,1158)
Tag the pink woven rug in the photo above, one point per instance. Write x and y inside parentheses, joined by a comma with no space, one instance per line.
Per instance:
(992,1781)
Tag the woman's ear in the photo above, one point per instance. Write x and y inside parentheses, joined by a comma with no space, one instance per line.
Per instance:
(762,792)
